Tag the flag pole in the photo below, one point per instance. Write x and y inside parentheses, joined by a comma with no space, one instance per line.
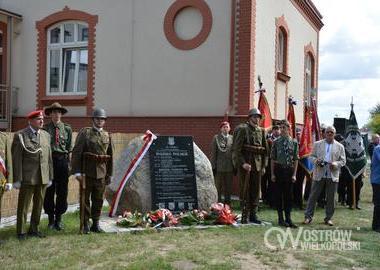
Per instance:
(353,179)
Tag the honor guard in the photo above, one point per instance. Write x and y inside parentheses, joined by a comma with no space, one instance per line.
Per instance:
(92,165)
(32,172)
(55,203)
(250,157)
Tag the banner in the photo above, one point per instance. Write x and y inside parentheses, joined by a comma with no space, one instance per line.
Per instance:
(315,126)
(292,117)
(263,106)
(306,142)
(355,153)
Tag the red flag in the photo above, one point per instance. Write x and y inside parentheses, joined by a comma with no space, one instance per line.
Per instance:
(292,118)
(306,142)
(315,126)
(266,121)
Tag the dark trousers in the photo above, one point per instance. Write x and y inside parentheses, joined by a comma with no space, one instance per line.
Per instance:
(224,186)
(342,189)
(55,202)
(26,195)
(298,187)
(249,189)
(267,186)
(283,189)
(376,209)
(94,198)
(358,187)
(307,187)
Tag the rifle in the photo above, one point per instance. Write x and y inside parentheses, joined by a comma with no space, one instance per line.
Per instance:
(82,199)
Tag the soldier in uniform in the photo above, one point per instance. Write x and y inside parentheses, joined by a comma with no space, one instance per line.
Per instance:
(61,135)
(250,157)
(32,171)
(6,173)
(221,161)
(92,157)
(284,155)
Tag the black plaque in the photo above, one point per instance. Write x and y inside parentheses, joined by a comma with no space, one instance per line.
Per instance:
(172,169)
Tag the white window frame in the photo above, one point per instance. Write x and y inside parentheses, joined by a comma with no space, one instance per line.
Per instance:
(61,46)
(281,50)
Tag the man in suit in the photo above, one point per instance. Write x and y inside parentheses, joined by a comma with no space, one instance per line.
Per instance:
(32,171)
(92,156)
(328,157)
(221,161)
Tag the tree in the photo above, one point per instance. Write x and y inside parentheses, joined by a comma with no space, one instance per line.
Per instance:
(375,110)
(374,123)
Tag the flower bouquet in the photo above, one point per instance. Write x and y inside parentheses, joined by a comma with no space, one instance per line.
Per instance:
(161,218)
(129,219)
(194,217)
(224,214)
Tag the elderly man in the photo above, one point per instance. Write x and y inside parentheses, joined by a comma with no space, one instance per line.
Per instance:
(32,172)
(221,161)
(375,181)
(250,157)
(328,157)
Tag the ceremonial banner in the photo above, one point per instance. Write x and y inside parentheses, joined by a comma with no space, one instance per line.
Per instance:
(355,153)
(315,126)
(266,121)
(306,142)
(292,118)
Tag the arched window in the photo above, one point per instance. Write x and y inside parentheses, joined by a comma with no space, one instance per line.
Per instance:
(67,58)
(282,50)
(309,77)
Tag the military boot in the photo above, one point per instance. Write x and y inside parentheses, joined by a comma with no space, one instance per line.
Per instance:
(51,222)
(288,220)
(253,217)
(86,228)
(95,227)
(281,221)
(58,223)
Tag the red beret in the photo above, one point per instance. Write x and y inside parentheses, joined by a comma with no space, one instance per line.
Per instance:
(35,114)
(225,123)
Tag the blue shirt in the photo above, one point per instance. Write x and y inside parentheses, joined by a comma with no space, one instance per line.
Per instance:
(375,166)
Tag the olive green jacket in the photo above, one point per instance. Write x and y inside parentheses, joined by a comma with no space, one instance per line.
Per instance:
(221,153)
(31,156)
(98,143)
(246,134)
(5,154)
(65,137)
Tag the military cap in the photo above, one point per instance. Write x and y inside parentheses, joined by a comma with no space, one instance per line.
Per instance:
(224,123)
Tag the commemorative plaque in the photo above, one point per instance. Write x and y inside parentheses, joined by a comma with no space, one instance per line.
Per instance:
(173,173)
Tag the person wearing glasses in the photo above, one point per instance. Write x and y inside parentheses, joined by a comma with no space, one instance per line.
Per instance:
(328,157)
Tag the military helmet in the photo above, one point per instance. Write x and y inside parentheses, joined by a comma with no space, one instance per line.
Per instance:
(99,113)
(253,112)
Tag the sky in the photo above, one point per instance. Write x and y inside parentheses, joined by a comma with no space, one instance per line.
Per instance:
(349,58)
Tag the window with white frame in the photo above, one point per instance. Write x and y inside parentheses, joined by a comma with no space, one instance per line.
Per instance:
(67,58)
(309,77)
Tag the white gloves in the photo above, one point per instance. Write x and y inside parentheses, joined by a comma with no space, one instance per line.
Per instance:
(17,185)
(49,183)
(8,187)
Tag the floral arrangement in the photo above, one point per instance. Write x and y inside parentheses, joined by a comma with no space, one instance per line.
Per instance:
(219,214)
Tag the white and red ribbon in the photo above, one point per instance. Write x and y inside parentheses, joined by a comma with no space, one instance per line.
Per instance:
(3,168)
(148,139)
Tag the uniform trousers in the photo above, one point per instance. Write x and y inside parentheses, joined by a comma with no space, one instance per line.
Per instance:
(26,194)
(224,186)
(94,198)
(55,202)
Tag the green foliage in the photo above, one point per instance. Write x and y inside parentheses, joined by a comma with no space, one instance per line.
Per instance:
(375,110)
(374,123)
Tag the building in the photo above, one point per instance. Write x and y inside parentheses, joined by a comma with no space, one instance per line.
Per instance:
(171,66)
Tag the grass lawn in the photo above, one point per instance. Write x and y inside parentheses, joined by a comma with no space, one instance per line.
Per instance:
(216,248)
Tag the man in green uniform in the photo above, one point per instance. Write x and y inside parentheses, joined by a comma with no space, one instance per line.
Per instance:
(32,172)
(92,158)
(61,135)
(284,159)
(6,173)
(221,161)
(250,157)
